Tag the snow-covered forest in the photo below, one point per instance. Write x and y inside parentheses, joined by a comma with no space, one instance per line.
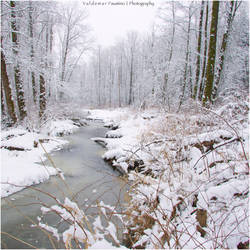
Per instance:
(175,99)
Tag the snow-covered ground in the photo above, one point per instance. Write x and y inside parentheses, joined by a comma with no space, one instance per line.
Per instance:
(190,174)
(189,177)
(23,153)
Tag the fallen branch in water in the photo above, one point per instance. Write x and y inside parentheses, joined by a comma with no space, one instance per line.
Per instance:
(12,148)
(99,140)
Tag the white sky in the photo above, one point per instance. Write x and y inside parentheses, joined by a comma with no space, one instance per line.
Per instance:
(111,22)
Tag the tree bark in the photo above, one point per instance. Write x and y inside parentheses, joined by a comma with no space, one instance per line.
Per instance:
(186,63)
(131,78)
(99,76)
(65,55)
(110,82)
(17,73)
(2,103)
(7,90)
(33,81)
(42,98)
(42,83)
(120,81)
(197,76)
(201,88)
(230,18)
(165,80)
(211,55)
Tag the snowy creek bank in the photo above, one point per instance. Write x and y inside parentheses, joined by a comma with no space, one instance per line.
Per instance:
(188,175)
(87,179)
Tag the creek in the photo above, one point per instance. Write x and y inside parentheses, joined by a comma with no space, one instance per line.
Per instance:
(88,178)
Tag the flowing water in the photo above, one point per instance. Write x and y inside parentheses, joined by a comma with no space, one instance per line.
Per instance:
(88,178)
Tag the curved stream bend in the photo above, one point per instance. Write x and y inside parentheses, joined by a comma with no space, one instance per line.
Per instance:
(87,175)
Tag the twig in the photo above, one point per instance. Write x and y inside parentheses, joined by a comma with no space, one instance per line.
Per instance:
(17,239)
(220,145)
(235,131)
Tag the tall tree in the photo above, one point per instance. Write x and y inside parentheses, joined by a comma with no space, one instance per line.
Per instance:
(74,35)
(2,102)
(234,5)
(166,74)
(17,73)
(210,72)
(132,40)
(31,34)
(99,76)
(7,90)
(42,97)
(197,76)
(187,56)
(204,64)
(120,80)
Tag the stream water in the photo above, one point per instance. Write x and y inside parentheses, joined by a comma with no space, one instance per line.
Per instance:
(88,178)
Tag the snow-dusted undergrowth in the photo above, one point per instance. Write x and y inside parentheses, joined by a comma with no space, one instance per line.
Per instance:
(189,175)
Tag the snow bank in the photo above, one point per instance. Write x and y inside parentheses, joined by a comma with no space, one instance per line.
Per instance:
(59,127)
(189,182)
(182,166)
(109,117)
(22,155)
(121,142)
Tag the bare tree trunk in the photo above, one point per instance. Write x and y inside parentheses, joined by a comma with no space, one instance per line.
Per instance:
(33,81)
(186,63)
(211,54)
(151,63)
(2,103)
(42,97)
(230,18)
(190,77)
(17,77)
(7,90)
(99,76)
(110,82)
(198,52)
(120,82)
(64,56)
(42,83)
(131,78)
(165,83)
(50,53)
(204,63)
